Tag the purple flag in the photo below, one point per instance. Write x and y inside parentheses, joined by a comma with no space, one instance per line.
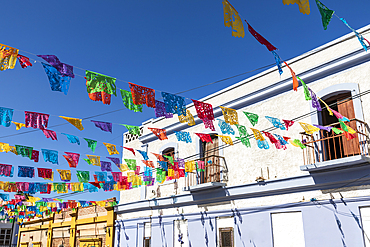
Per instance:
(64,69)
(104,126)
(327,128)
(160,110)
(115,161)
(106,166)
(315,101)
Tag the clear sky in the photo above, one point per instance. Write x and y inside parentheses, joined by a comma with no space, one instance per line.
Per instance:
(170,46)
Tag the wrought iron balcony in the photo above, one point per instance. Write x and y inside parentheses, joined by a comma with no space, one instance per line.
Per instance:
(215,173)
(324,146)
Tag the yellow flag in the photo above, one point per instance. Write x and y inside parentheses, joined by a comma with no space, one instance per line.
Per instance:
(189,166)
(233,20)
(257,134)
(8,57)
(327,107)
(95,160)
(18,126)
(226,139)
(350,130)
(130,176)
(123,168)
(64,174)
(304,5)
(4,147)
(308,128)
(74,121)
(230,115)
(111,148)
(189,119)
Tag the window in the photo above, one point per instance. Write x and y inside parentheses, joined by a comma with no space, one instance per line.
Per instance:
(5,236)
(339,147)
(225,229)
(226,237)
(180,233)
(210,155)
(287,229)
(147,233)
(365,219)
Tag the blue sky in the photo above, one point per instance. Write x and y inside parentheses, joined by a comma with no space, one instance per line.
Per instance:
(170,46)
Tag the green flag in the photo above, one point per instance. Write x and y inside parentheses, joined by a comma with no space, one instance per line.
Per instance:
(253,118)
(326,14)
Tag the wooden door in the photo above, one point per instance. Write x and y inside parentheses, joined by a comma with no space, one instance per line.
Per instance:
(350,147)
(212,166)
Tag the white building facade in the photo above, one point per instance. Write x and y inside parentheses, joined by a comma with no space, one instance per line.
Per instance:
(317,196)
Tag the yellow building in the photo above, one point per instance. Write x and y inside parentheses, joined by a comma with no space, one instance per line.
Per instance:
(81,227)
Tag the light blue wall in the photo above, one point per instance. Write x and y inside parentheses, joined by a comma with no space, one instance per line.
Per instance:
(334,223)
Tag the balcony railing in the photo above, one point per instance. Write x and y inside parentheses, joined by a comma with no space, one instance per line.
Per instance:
(324,146)
(215,170)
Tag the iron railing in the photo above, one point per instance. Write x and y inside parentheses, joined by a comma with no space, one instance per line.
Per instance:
(215,170)
(324,145)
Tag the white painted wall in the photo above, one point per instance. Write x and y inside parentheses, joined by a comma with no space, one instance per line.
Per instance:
(287,229)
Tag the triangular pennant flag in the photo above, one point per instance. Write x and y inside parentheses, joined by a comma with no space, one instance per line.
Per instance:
(74,121)
(94,159)
(205,113)
(158,156)
(276,122)
(91,144)
(142,95)
(288,123)
(304,5)
(233,20)
(36,120)
(305,90)
(111,148)
(326,14)
(174,104)
(134,130)
(50,134)
(72,138)
(116,161)
(189,119)
(257,134)
(359,36)
(144,154)
(315,101)
(253,118)
(8,57)
(260,38)
(278,61)
(294,78)
(72,159)
(65,175)
(128,102)
(230,115)
(18,126)
(308,128)
(160,133)
(226,139)
(64,69)
(57,81)
(327,107)
(204,137)
(24,61)
(100,85)
(104,126)
(130,149)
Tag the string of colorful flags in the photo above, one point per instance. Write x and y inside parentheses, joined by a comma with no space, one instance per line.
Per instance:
(326,16)
(24,208)
(101,87)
